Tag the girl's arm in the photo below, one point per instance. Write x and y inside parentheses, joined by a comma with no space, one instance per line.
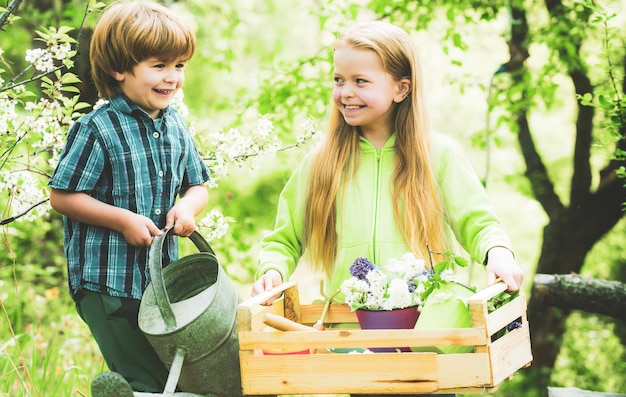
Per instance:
(474,221)
(182,215)
(137,229)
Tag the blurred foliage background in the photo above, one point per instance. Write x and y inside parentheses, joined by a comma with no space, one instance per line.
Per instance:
(269,57)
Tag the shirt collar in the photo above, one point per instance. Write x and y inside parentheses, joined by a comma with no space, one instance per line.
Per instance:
(125,105)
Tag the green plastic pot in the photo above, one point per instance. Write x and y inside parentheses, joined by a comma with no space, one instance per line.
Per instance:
(450,313)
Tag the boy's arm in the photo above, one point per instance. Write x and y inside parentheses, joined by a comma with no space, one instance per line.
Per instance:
(138,230)
(182,215)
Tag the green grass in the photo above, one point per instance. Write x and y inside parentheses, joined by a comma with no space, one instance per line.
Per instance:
(51,353)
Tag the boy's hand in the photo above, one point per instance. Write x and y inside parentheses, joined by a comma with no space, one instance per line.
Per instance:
(181,220)
(139,230)
(182,214)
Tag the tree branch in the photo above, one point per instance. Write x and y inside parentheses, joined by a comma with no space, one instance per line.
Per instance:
(575,292)
(540,182)
(10,219)
(536,172)
(11,8)
(581,165)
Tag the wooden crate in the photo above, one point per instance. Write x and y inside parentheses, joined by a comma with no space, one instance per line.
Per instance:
(325,372)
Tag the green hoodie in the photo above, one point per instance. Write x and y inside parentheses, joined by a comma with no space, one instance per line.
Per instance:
(365,220)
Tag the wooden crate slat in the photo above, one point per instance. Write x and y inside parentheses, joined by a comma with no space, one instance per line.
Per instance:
(487,293)
(464,370)
(339,373)
(511,353)
(260,298)
(336,314)
(501,318)
(257,318)
(357,338)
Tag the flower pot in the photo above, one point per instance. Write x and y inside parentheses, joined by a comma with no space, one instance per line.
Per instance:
(388,319)
(449,313)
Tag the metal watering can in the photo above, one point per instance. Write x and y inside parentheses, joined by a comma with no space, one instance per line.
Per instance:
(189,315)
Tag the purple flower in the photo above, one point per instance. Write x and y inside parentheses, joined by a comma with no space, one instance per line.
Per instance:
(514,325)
(360,268)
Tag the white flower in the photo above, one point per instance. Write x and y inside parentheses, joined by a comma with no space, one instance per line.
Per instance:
(393,286)
(25,192)
(407,266)
(41,59)
(216,224)
(448,275)
(399,295)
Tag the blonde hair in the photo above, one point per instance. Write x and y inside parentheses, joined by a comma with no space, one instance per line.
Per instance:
(128,33)
(419,211)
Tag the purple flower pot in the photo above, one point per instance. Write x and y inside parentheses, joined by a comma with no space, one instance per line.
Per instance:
(388,319)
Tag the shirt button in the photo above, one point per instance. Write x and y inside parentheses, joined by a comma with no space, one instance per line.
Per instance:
(157,211)
(161,174)
(155,134)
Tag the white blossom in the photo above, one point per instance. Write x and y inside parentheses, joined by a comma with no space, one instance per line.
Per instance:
(215,223)
(24,191)
(41,59)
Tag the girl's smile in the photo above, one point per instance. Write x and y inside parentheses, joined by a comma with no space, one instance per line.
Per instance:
(365,93)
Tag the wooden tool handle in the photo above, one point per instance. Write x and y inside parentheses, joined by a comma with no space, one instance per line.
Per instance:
(284,324)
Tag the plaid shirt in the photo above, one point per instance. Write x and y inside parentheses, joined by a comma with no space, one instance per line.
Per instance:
(120,156)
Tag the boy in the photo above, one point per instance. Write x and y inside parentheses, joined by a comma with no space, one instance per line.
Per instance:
(118,178)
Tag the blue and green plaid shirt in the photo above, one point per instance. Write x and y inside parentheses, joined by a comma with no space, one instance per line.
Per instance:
(119,155)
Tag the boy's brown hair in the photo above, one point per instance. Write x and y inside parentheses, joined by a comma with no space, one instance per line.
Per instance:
(128,33)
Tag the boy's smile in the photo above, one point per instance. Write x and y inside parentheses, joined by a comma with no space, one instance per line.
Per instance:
(152,84)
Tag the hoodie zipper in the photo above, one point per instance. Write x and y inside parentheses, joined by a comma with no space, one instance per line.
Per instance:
(378,174)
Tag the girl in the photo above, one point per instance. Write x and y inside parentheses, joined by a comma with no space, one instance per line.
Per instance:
(381,184)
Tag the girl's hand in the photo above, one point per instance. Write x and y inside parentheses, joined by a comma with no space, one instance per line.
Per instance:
(269,280)
(501,264)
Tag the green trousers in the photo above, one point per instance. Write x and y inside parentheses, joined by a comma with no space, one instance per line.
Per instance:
(114,325)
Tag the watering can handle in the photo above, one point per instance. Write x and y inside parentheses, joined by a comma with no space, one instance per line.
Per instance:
(156,274)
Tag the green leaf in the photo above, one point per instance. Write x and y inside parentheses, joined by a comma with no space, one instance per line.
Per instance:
(460,261)
(69,78)
(450,14)
(440,267)
(70,88)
